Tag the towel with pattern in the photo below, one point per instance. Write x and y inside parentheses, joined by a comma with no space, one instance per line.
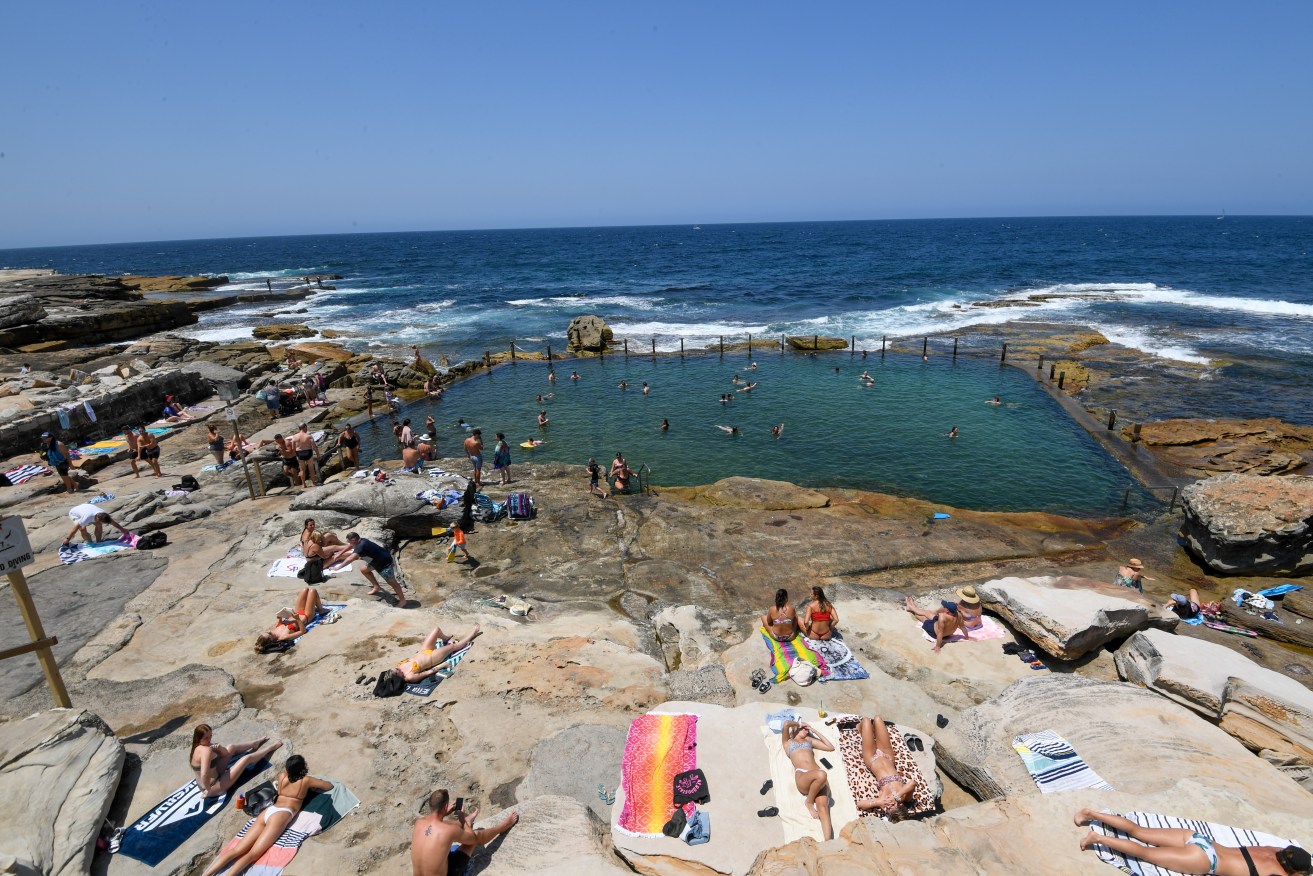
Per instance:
(782,655)
(89,550)
(1218,833)
(1054,764)
(989,629)
(658,748)
(24,473)
(103,447)
(428,685)
(838,659)
(862,784)
(322,811)
(288,567)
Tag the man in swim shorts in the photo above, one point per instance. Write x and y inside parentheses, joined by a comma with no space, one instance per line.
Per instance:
(444,839)
(287,455)
(474,450)
(134,451)
(375,559)
(307,455)
(57,457)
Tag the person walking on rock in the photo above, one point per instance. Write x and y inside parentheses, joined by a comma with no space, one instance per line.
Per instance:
(474,450)
(134,450)
(501,459)
(150,450)
(57,457)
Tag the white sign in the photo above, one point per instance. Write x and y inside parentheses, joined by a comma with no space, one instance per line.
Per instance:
(230,414)
(15,550)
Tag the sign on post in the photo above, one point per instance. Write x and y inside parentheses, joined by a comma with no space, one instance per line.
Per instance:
(230,414)
(15,549)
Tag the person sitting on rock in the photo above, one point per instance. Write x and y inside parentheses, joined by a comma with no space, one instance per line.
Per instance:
(1186,607)
(294,785)
(433,654)
(443,840)
(1185,851)
(174,412)
(812,782)
(820,620)
(308,529)
(317,546)
(292,624)
(1130,575)
(85,515)
(214,765)
(781,619)
(893,789)
(941,623)
(411,459)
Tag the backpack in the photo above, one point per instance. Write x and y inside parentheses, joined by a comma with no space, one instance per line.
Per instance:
(313,571)
(519,506)
(389,684)
(260,798)
(187,482)
(152,540)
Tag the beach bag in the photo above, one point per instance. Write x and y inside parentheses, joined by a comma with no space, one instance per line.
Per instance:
(187,482)
(152,541)
(520,507)
(313,571)
(802,673)
(691,787)
(389,684)
(260,798)
(486,510)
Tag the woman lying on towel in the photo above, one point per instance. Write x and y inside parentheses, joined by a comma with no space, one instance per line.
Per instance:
(894,789)
(813,782)
(430,657)
(213,764)
(293,786)
(291,624)
(1187,852)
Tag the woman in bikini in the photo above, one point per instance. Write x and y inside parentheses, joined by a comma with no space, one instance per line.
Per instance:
(328,539)
(215,769)
(894,790)
(820,620)
(800,744)
(950,618)
(781,619)
(1188,852)
(430,656)
(293,787)
(292,624)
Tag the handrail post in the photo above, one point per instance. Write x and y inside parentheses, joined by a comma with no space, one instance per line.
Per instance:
(816,343)
(654,348)
(954,349)
(626,348)
(722,346)
(852,347)
(1062,376)
(1040,365)
(1053,370)
(1004,357)
(512,349)
(749,346)
(681,349)
(883,339)
(1112,419)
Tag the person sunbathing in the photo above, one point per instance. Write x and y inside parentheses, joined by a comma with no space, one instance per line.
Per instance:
(294,785)
(820,620)
(950,618)
(813,782)
(1185,851)
(894,790)
(292,623)
(781,619)
(215,769)
(431,656)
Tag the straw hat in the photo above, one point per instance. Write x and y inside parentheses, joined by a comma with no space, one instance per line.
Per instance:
(1134,563)
(968,595)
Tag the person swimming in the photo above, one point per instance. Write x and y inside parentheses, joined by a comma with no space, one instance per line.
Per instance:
(732,430)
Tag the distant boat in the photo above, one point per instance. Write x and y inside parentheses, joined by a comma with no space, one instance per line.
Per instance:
(697,227)
(1223,216)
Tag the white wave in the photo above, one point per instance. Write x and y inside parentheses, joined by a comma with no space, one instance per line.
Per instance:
(274,274)
(218,334)
(637,302)
(431,306)
(1152,293)
(1141,340)
(702,334)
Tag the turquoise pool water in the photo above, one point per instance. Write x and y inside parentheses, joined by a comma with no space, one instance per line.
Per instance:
(1023,455)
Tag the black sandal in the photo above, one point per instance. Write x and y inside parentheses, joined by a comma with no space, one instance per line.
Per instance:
(770,783)
(768,812)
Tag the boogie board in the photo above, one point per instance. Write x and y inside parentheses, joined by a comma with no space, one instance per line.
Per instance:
(941,516)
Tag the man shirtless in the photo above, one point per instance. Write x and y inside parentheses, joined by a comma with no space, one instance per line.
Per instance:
(307,455)
(431,852)
(134,450)
(287,455)
(474,450)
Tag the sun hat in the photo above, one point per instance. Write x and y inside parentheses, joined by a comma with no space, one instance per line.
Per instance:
(45,434)
(1134,563)
(968,595)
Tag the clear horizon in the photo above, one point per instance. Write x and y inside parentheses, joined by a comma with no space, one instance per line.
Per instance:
(258,120)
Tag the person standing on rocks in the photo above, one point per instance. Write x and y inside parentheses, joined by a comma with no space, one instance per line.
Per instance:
(57,457)
(215,443)
(287,455)
(375,559)
(407,437)
(271,401)
(501,459)
(150,450)
(349,443)
(444,839)
(595,478)
(307,455)
(134,451)
(474,450)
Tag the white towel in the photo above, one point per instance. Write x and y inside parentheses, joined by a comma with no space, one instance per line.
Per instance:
(91,415)
(287,567)
(794,817)
(1218,833)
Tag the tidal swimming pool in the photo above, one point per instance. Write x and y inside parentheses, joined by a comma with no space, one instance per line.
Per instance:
(1023,455)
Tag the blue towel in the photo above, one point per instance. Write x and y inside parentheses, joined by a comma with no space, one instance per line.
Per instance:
(1280,590)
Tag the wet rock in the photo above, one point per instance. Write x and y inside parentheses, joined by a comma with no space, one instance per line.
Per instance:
(1249,525)
(588,332)
(807,343)
(282,331)
(59,770)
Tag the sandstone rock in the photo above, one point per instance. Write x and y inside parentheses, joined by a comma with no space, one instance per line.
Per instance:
(556,836)
(1069,617)
(808,343)
(59,770)
(1249,525)
(1209,447)
(20,310)
(366,499)
(173,284)
(282,331)
(573,763)
(588,333)
(311,351)
(1271,711)
(761,494)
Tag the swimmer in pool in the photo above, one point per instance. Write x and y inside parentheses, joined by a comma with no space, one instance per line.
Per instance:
(624,384)
(994,401)
(777,431)
(533,442)
(952,433)
(574,375)
(732,430)
(749,388)
(665,425)
(645,389)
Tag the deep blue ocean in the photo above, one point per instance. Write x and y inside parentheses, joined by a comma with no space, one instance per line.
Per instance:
(1234,293)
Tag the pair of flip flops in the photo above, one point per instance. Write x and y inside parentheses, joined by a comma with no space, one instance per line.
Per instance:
(769,811)
(760,681)
(367,679)
(913,742)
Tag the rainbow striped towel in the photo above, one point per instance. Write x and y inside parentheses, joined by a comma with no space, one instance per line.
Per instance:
(659,747)
(782,655)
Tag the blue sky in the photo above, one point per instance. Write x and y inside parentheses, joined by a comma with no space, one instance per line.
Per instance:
(151,121)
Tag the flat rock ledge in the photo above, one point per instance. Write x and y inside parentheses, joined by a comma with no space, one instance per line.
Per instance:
(1069,617)
(758,494)
(1250,525)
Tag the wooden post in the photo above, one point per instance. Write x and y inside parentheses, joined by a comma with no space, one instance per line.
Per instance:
(654,348)
(1004,357)
(1062,376)
(1112,419)
(749,346)
(250,487)
(954,349)
(1040,366)
(1172,505)
(487,359)
(626,348)
(782,345)
(852,347)
(1126,499)
(722,346)
(512,349)
(549,357)
(681,348)
(816,343)
(18,584)
(925,348)
(1135,434)
(259,479)
(1053,369)
(883,338)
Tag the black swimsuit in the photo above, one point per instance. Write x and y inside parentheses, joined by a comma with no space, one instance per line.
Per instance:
(350,443)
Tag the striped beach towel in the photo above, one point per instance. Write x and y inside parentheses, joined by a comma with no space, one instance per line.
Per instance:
(1218,833)
(428,685)
(1054,764)
(658,748)
(24,473)
(321,812)
(782,655)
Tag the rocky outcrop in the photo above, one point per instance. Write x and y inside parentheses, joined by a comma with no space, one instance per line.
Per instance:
(1209,447)
(1249,525)
(808,343)
(311,351)
(759,494)
(83,310)
(21,310)
(282,331)
(364,498)
(588,333)
(173,284)
(59,770)
(1263,709)
(1069,617)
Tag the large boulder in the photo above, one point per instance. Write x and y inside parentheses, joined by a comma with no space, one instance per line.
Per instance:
(1263,709)
(1240,524)
(364,498)
(1069,617)
(59,770)
(588,333)
(20,310)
